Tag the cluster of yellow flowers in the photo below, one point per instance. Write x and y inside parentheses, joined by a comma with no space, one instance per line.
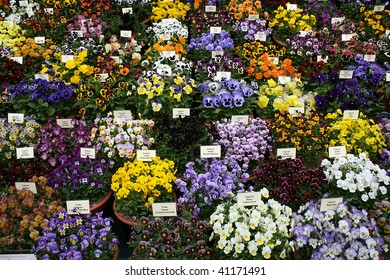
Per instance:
(71,70)
(281,96)
(291,21)
(358,136)
(165,9)
(375,20)
(141,183)
(11,35)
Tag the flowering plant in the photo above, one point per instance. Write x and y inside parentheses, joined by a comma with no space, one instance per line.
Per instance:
(256,232)
(385,155)
(138,184)
(53,140)
(24,214)
(181,144)
(206,183)
(81,178)
(278,98)
(381,213)
(77,237)
(287,22)
(11,73)
(361,135)
(224,98)
(41,98)
(174,28)
(120,138)
(305,132)
(255,49)
(243,8)
(356,177)
(180,237)
(11,35)
(374,22)
(15,135)
(176,44)
(244,143)
(89,27)
(251,30)
(211,42)
(344,233)
(169,9)
(289,181)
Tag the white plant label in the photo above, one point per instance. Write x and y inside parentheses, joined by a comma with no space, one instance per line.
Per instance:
(126,33)
(369,57)
(346,74)
(215,53)
(18,59)
(274,60)
(117,59)
(261,36)
(292,7)
(88,153)
(351,114)
(248,199)
(213,151)
(39,40)
(65,123)
(26,185)
(127,11)
(167,209)
(323,59)
(65,58)
(180,112)
(330,204)
(337,151)
(41,76)
(284,79)
(379,8)
(253,17)
(49,11)
(210,9)
(25,153)
(15,117)
(215,29)
(336,20)
(123,114)
(295,110)
(346,37)
(74,207)
(18,257)
(223,76)
(236,119)
(286,153)
(146,155)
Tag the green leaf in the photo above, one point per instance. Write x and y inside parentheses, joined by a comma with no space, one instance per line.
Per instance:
(51,111)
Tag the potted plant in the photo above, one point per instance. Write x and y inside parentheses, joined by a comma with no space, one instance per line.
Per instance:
(24,215)
(356,178)
(77,237)
(255,232)
(183,237)
(344,233)
(138,184)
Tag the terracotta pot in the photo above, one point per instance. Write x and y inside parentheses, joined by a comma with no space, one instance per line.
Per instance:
(122,218)
(99,206)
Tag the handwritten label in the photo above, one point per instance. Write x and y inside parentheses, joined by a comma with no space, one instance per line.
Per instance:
(236,119)
(213,151)
(18,59)
(223,76)
(117,59)
(146,155)
(41,76)
(261,36)
(346,74)
(77,207)
(284,79)
(215,29)
(88,153)
(65,123)
(294,111)
(39,40)
(123,114)
(285,153)
(379,8)
(66,57)
(351,114)
(215,53)
(180,112)
(167,209)
(126,33)
(369,57)
(25,153)
(253,17)
(330,203)
(337,151)
(248,199)
(18,257)
(15,118)
(26,185)
(23,3)
(210,9)
(346,37)
(127,11)
(324,59)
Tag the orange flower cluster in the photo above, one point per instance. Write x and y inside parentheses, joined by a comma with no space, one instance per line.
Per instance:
(241,8)
(34,50)
(175,44)
(264,67)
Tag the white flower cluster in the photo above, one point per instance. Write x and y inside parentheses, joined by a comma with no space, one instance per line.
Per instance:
(168,29)
(357,175)
(259,231)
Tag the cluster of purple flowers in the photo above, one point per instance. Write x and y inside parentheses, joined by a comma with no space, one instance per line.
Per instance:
(252,27)
(76,237)
(346,233)
(306,46)
(244,143)
(53,140)
(365,70)
(226,93)
(220,63)
(216,179)
(81,178)
(48,91)
(212,42)
(90,28)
